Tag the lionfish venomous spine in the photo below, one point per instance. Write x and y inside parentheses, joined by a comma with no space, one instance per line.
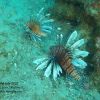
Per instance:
(64,58)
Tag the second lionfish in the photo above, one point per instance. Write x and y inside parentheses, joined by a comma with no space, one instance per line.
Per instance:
(64,58)
(40,25)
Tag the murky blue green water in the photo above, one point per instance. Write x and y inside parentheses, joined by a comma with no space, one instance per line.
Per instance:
(19,79)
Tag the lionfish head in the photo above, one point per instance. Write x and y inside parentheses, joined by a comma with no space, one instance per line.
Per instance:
(57,52)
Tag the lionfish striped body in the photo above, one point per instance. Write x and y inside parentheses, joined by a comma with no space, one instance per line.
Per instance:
(66,58)
(63,58)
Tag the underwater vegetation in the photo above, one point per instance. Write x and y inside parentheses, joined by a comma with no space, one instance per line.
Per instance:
(66,58)
(39,26)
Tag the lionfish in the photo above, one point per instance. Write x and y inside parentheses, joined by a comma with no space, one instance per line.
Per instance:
(64,58)
(40,25)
